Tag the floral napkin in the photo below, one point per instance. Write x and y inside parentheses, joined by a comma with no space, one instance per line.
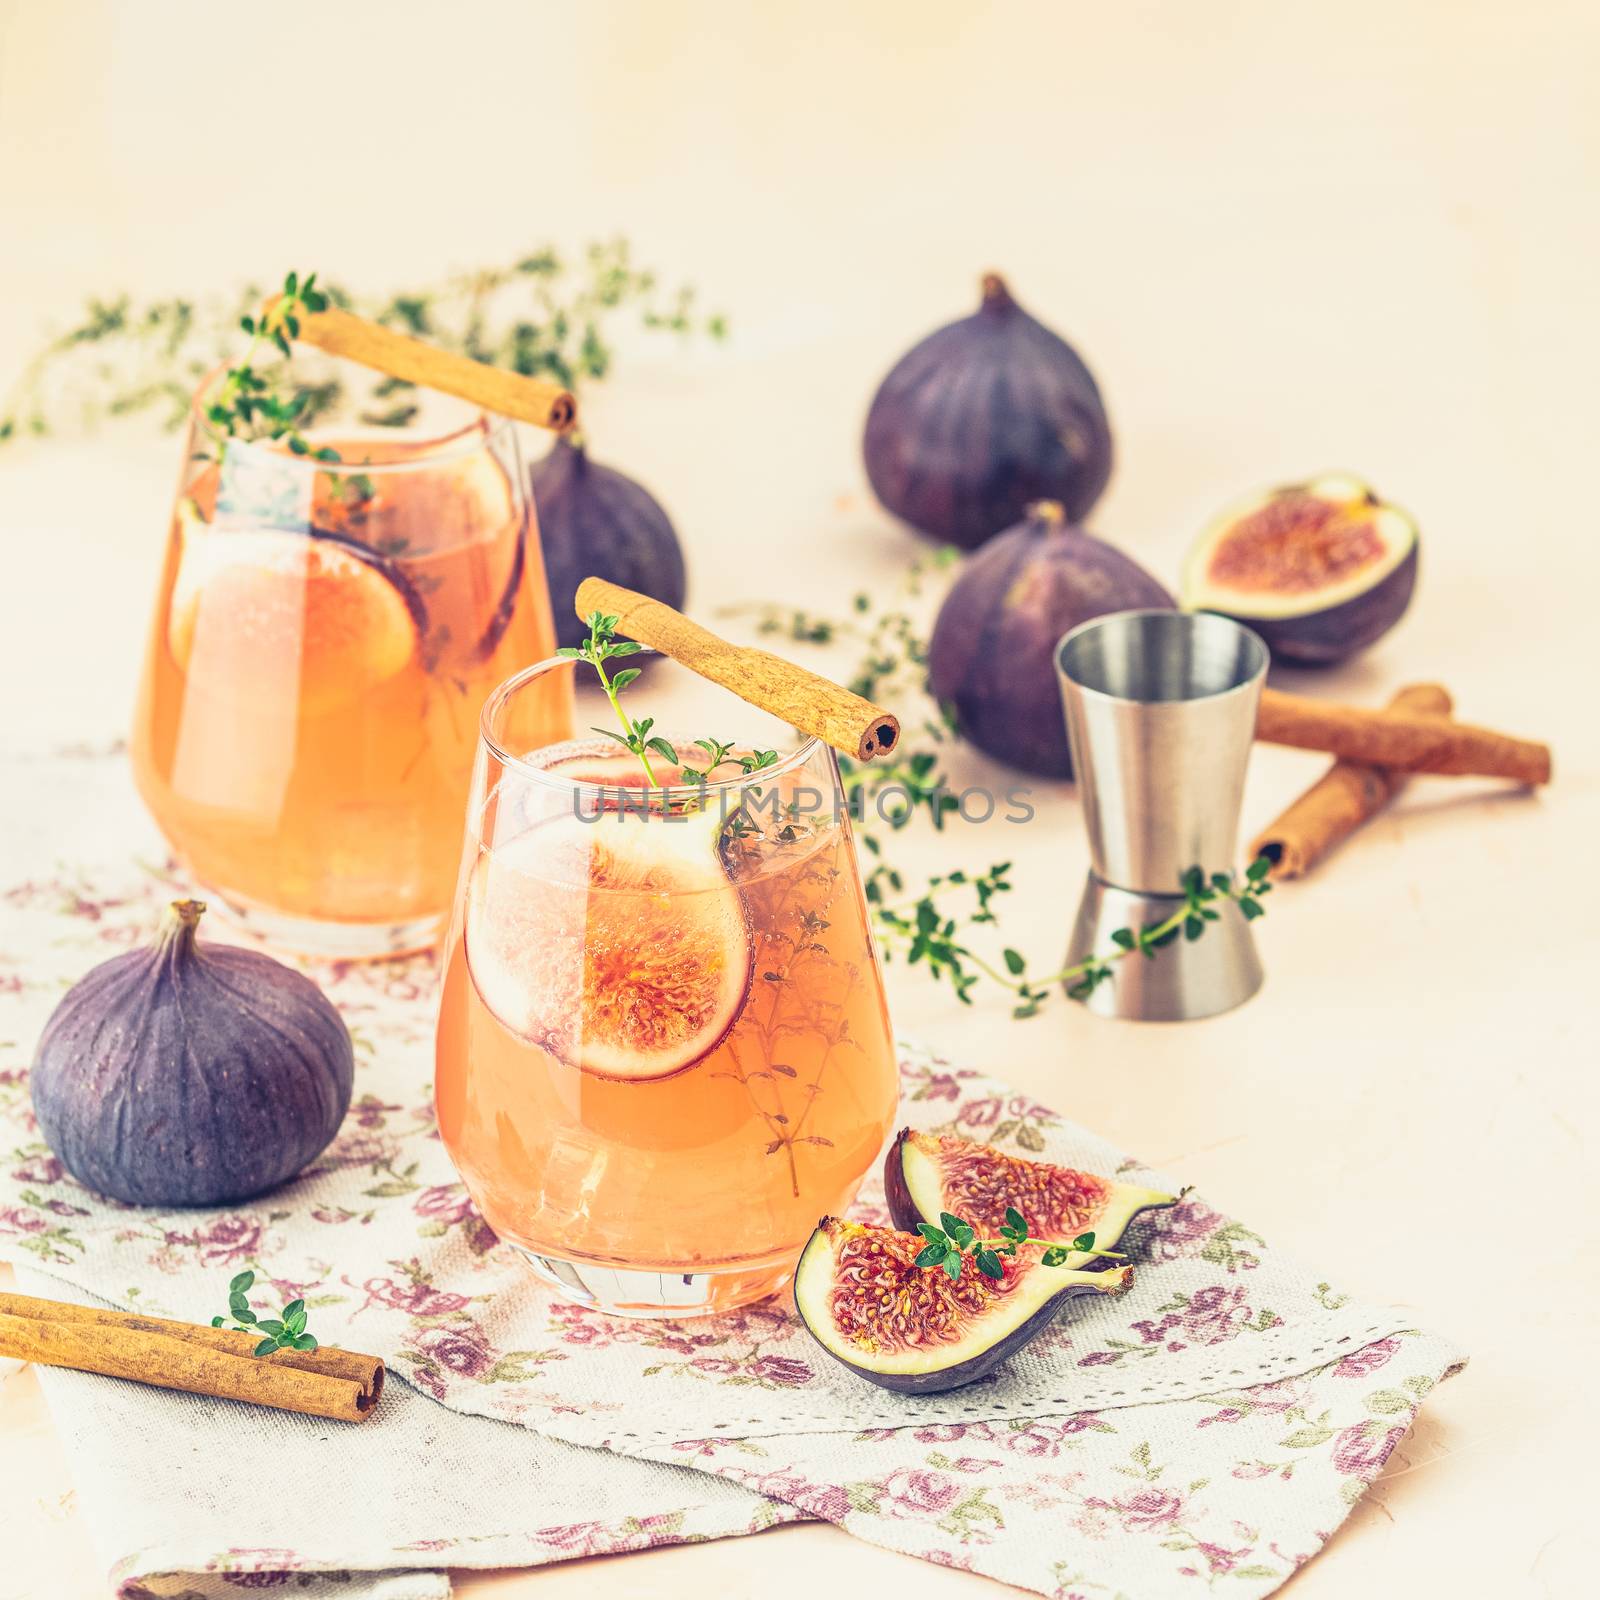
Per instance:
(1219,1420)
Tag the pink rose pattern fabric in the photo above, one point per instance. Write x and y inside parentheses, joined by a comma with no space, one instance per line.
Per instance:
(1023,1479)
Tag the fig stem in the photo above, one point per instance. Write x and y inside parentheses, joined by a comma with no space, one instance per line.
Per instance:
(996,296)
(178,924)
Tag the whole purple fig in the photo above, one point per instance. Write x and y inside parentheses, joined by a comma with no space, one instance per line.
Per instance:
(982,417)
(992,655)
(191,1075)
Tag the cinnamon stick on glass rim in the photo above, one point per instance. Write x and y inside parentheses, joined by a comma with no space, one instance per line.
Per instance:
(338,1384)
(505,394)
(1401,740)
(816,705)
(1347,795)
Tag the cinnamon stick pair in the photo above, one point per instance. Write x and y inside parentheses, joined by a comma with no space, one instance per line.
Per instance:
(1347,795)
(1399,738)
(183,1355)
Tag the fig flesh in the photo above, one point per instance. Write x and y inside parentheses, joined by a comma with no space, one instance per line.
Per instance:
(1319,569)
(914,1329)
(983,416)
(926,1174)
(619,944)
(332,616)
(992,654)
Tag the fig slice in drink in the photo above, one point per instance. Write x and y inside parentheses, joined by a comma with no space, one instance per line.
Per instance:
(327,609)
(618,943)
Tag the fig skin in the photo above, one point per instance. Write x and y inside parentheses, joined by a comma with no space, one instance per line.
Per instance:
(983,416)
(1325,638)
(1061,1286)
(191,1075)
(992,654)
(596,521)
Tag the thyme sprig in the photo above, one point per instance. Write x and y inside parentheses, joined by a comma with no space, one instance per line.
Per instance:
(953,1242)
(926,934)
(286,1331)
(248,405)
(601,646)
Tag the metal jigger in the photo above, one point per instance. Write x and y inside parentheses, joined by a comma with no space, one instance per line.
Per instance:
(1161,713)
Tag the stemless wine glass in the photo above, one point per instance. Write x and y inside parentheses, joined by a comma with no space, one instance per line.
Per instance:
(663,1046)
(325,635)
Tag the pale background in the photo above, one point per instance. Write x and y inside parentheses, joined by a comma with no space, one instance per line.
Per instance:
(1287,238)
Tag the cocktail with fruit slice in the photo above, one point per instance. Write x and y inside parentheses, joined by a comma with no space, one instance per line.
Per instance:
(325,635)
(663,1048)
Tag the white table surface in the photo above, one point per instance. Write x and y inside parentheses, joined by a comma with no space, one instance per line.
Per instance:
(1287,239)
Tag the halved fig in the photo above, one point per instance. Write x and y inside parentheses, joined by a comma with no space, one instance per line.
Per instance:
(926,1174)
(618,944)
(1320,570)
(323,612)
(914,1329)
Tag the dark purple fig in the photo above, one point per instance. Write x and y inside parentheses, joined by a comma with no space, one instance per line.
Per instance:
(191,1075)
(594,520)
(992,655)
(916,1330)
(984,416)
(1320,570)
(927,1174)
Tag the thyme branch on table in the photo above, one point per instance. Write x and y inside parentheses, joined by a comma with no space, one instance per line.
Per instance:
(953,1241)
(926,934)
(286,1331)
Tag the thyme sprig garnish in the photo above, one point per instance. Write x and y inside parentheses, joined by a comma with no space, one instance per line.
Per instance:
(717,752)
(286,1331)
(601,646)
(954,1241)
(247,405)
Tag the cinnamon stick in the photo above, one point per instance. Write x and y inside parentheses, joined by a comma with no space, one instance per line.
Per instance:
(1346,795)
(806,700)
(505,394)
(338,1384)
(1399,740)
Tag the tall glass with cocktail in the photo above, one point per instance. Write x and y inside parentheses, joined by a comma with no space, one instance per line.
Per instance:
(325,635)
(663,1048)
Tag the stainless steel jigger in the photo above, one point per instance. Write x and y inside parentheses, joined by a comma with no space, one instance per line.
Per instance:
(1161,712)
